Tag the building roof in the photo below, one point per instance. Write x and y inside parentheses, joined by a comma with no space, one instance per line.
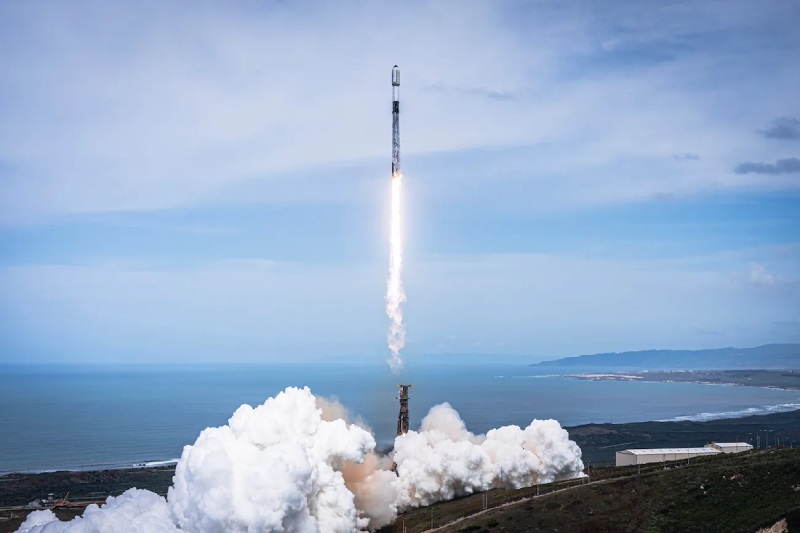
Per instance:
(728,444)
(662,451)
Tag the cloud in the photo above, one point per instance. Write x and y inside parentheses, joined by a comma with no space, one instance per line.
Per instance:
(781,166)
(761,276)
(708,332)
(686,156)
(280,97)
(783,128)
(263,310)
(789,324)
(482,92)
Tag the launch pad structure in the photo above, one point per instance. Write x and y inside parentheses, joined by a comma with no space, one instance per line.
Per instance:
(402,417)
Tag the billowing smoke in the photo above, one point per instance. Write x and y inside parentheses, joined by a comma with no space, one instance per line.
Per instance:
(297,464)
(275,466)
(443,460)
(395,295)
(135,511)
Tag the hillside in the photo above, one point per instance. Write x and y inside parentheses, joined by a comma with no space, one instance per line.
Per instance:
(600,442)
(769,356)
(723,494)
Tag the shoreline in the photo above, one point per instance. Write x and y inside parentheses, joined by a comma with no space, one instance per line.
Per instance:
(600,442)
(763,379)
(577,432)
(94,468)
(73,491)
(786,380)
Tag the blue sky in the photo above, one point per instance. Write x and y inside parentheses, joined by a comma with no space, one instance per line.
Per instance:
(199,181)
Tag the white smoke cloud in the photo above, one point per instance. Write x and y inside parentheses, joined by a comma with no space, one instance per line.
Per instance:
(443,460)
(273,467)
(296,464)
(135,511)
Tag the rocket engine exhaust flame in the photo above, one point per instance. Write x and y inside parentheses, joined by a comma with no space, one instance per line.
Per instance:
(395,296)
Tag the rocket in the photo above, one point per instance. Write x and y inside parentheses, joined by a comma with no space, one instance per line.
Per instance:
(395,122)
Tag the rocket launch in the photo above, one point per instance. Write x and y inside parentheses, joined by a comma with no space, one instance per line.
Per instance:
(395,295)
(396,123)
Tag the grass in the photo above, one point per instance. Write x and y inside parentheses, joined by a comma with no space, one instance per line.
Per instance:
(726,494)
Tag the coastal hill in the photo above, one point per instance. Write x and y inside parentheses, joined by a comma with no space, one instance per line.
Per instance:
(769,356)
(726,494)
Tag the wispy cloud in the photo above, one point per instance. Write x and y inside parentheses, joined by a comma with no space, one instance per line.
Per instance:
(783,128)
(781,166)
(183,136)
(120,116)
(261,310)
(789,324)
(481,92)
(759,275)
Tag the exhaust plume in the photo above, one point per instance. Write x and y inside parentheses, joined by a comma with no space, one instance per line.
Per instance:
(296,464)
(443,460)
(395,295)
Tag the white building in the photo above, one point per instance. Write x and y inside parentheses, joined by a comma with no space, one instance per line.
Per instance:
(730,447)
(660,455)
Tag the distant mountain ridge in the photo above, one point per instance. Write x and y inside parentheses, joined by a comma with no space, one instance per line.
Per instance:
(769,356)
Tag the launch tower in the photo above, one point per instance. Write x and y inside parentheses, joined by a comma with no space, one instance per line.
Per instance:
(402,417)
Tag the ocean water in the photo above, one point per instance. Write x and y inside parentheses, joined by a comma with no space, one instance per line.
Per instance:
(80,416)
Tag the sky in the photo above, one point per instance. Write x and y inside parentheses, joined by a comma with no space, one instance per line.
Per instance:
(209,182)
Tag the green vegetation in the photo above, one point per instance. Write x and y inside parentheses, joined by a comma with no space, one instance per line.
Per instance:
(599,442)
(658,499)
(781,379)
(20,489)
(725,493)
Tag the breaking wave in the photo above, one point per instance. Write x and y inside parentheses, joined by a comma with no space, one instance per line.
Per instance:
(750,411)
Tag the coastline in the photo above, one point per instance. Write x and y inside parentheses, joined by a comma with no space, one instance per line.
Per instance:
(600,442)
(73,490)
(96,467)
(765,379)
(657,431)
(788,380)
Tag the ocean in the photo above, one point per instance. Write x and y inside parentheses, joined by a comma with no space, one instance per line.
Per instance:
(105,416)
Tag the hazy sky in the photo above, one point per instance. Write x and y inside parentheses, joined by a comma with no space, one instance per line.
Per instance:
(208,181)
